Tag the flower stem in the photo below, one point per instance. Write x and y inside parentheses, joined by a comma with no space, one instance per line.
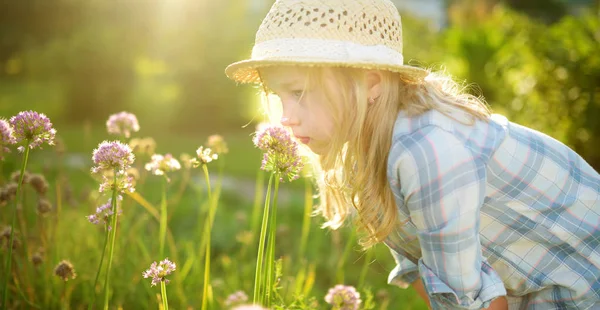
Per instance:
(261,245)
(113,234)
(163,217)
(12,229)
(163,291)
(271,246)
(206,293)
(99,269)
(308,204)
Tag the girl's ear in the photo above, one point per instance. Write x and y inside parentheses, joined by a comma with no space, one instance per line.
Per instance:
(374,79)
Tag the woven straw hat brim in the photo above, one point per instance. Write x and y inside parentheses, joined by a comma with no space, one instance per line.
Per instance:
(246,71)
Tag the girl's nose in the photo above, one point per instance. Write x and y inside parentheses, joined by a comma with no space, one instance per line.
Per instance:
(287,121)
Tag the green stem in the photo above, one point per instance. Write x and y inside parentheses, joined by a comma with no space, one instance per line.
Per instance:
(113,234)
(99,269)
(271,246)
(345,254)
(12,229)
(261,245)
(308,204)
(206,301)
(365,268)
(163,217)
(163,291)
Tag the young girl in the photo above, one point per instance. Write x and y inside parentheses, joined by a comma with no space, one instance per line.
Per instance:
(478,212)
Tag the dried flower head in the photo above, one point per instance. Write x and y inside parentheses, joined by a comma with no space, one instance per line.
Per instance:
(159,272)
(5,238)
(39,183)
(205,156)
(44,207)
(145,146)
(236,298)
(8,193)
(217,144)
(112,155)
(7,137)
(343,297)
(122,123)
(104,212)
(16,175)
(65,270)
(38,257)
(160,165)
(281,152)
(33,128)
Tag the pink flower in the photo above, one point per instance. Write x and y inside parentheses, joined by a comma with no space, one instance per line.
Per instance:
(343,297)
(281,152)
(33,128)
(159,272)
(122,123)
(7,137)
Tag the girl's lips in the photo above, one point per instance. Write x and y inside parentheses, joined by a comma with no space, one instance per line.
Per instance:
(304,140)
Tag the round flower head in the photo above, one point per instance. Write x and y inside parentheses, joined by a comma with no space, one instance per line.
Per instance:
(159,272)
(104,212)
(236,298)
(217,144)
(159,165)
(39,183)
(7,137)
(65,270)
(343,297)
(44,207)
(122,123)
(33,128)
(281,152)
(112,155)
(205,156)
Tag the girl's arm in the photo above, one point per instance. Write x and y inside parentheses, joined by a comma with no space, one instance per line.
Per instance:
(499,303)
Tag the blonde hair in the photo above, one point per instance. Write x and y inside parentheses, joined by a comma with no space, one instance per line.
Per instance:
(352,175)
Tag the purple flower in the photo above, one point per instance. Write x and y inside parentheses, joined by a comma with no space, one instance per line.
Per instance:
(205,156)
(236,298)
(104,212)
(343,297)
(159,272)
(33,128)
(281,152)
(122,123)
(159,165)
(6,137)
(113,155)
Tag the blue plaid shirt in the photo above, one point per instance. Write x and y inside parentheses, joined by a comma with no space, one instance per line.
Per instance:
(493,209)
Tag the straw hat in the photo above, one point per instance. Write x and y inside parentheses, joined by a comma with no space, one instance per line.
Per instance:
(349,33)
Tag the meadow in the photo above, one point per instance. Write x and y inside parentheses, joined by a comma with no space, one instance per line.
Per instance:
(58,250)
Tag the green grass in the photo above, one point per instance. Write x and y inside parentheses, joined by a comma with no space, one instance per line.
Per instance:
(66,234)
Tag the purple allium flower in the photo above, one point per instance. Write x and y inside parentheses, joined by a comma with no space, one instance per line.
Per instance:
(65,270)
(159,272)
(7,137)
(281,152)
(104,212)
(122,123)
(205,156)
(113,155)
(217,144)
(159,165)
(33,128)
(236,298)
(343,297)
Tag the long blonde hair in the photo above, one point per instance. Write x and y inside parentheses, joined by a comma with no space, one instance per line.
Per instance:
(352,175)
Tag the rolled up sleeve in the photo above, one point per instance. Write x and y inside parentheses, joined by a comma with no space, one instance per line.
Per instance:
(405,272)
(444,187)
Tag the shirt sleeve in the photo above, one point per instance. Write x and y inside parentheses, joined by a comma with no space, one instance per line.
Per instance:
(444,187)
(405,272)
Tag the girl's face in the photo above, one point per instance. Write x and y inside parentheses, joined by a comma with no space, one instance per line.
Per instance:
(304,105)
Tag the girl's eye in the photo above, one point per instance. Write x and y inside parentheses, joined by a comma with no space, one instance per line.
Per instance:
(297,93)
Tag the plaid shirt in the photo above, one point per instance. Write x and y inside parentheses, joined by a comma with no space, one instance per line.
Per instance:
(493,209)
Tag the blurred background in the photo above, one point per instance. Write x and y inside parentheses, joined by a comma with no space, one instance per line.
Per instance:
(537,61)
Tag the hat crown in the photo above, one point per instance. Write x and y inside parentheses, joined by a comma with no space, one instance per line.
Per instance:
(363,22)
